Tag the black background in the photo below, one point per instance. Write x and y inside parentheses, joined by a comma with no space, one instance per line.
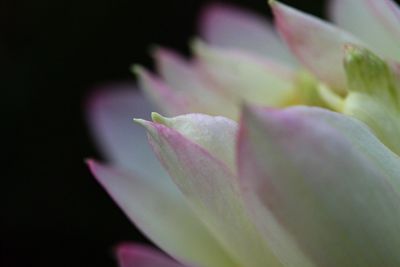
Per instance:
(52,52)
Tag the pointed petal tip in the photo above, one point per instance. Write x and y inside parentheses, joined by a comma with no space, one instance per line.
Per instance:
(157,118)
(142,122)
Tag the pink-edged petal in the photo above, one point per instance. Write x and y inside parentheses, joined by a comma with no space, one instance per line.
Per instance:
(177,72)
(215,134)
(376,22)
(317,44)
(110,111)
(212,190)
(190,84)
(160,94)
(327,180)
(245,77)
(161,212)
(133,255)
(224,26)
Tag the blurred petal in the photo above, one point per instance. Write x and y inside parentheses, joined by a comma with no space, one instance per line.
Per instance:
(317,44)
(217,135)
(189,82)
(132,255)
(212,190)
(376,22)
(245,77)
(327,180)
(224,26)
(110,111)
(160,94)
(374,95)
(161,212)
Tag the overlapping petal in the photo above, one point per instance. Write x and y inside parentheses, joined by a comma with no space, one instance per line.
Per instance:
(158,208)
(211,188)
(216,134)
(317,44)
(319,174)
(224,26)
(110,112)
(375,22)
(182,87)
(245,77)
(296,187)
(374,95)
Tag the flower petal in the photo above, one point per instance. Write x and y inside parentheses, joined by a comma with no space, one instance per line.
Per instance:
(159,93)
(224,26)
(245,77)
(374,95)
(110,111)
(189,82)
(158,208)
(317,44)
(382,18)
(327,180)
(217,134)
(212,190)
(132,255)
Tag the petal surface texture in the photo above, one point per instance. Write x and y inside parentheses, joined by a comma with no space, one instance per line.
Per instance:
(131,255)
(161,212)
(317,44)
(327,180)
(224,26)
(211,188)
(376,22)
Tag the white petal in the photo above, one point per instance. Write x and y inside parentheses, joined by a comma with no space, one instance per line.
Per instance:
(161,212)
(328,181)
(373,21)
(212,190)
(215,134)
(245,77)
(225,26)
(317,44)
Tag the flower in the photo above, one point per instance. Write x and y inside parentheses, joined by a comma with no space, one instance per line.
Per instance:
(263,186)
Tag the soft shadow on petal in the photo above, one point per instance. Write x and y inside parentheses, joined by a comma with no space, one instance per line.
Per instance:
(317,44)
(161,212)
(224,26)
(134,255)
(376,22)
(317,172)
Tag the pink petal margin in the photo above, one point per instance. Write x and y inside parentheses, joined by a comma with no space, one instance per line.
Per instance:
(134,255)
(317,44)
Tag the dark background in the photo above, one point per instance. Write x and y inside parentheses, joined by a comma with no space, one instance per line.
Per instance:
(52,52)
